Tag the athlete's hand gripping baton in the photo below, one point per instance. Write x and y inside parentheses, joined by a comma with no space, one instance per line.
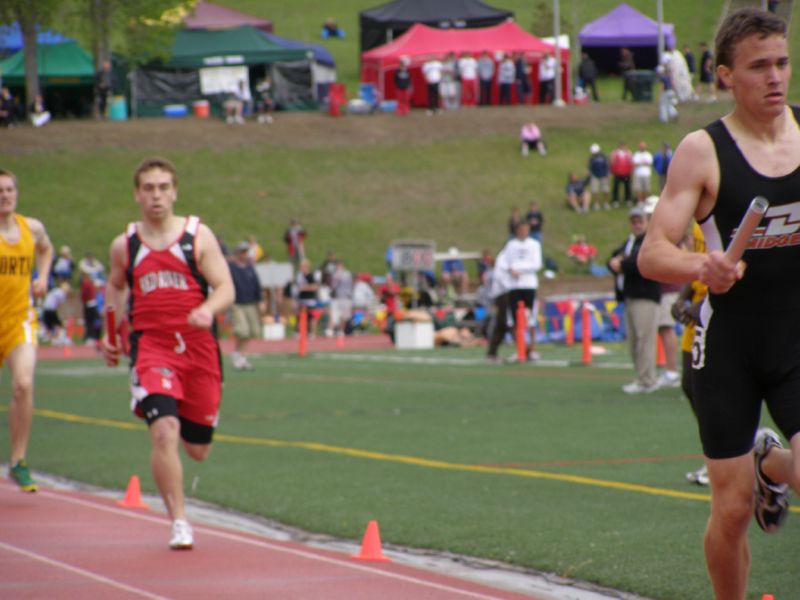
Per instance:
(750,221)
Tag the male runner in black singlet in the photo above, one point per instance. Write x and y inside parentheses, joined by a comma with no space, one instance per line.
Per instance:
(747,342)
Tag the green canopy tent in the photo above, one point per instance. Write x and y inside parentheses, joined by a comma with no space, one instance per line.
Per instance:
(66,76)
(201,64)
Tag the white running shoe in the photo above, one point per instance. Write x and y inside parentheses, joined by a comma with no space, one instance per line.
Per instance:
(634,387)
(669,379)
(700,476)
(182,538)
(772,499)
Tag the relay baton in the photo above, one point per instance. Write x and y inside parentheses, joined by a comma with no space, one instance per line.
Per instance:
(111,325)
(750,221)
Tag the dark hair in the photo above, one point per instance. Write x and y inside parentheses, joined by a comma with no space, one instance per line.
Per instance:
(741,24)
(155,162)
(7,173)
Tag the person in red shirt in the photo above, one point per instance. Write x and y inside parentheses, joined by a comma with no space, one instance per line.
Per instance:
(582,251)
(171,272)
(621,169)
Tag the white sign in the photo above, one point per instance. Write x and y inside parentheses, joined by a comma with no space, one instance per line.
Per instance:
(222,80)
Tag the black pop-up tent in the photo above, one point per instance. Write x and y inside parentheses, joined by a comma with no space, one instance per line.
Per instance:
(384,23)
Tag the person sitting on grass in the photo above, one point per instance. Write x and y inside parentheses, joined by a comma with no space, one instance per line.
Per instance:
(531,139)
(581,251)
(578,196)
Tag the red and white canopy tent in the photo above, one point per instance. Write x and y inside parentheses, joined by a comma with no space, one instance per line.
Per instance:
(420,43)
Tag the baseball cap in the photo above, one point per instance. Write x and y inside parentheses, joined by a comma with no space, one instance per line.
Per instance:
(594,148)
(242,247)
(636,211)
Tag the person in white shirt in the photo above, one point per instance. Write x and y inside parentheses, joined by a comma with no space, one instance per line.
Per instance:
(468,70)
(524,257)
(547,79)
(432,71)
(642,171)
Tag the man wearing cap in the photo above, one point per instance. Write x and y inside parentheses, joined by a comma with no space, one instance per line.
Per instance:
(641,297)
(599,172)
(247,308)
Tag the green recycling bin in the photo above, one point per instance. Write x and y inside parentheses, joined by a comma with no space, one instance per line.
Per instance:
(642,85)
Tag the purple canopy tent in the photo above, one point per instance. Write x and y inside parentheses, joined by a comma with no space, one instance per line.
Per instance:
(624,27)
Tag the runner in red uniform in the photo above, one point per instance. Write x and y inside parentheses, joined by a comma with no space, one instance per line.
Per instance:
(165,266)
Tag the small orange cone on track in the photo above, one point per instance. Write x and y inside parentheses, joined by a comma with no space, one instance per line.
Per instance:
(340,340)
(371,545)
(133,495)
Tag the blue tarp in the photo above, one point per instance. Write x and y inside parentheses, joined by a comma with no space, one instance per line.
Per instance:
(321,53)
(11,38)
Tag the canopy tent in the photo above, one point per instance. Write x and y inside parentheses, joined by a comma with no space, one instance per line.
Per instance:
(421,43)
(206,64)
(384,23)
(624,27)
(65,64)
(213,16)
(11,38)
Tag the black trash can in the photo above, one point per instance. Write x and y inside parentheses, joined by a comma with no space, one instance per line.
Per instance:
(642,85)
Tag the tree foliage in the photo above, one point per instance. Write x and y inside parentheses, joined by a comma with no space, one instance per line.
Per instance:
(29,14)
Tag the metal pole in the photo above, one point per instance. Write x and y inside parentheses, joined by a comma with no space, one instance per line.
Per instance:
(557,101)
(660,19)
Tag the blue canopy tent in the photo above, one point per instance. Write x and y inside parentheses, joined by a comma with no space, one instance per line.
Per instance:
(323,67)
(11,38)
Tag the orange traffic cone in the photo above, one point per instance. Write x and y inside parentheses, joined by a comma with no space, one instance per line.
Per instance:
(133,495)
(586,334)
(519,334)
(661,355)
(371,545)
(340,340)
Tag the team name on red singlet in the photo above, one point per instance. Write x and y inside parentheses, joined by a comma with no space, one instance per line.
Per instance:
(160,280)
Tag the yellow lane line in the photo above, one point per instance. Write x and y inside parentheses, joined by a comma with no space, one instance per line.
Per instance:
(402,459)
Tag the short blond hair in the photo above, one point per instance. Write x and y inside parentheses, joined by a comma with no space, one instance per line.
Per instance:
(7,173)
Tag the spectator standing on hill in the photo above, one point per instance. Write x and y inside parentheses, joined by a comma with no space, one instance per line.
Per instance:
(661,160)
(621,169)
(24,241)
(248,305)
(449,85)
(103,86)
(173,272)
(641,297)
(295,239)
(599,171)
(63,265)
(626,67)
(486,76)
(92,267)
(432,71)
(666,97)
(691,64)
(522,77)
(642,172)
(468,73)
(707,78)
(266,103)
(402,85)
(740,362)
(506,73)
(8,108)
(587,75)
(524,257)
(547,78)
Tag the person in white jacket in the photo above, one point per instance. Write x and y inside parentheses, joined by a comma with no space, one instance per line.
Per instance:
(523,255)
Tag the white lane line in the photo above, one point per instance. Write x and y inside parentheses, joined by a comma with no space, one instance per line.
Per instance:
(81,572)
(276,548)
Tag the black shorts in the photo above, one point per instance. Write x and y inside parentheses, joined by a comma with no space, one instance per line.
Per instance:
(738,360)
(526,296)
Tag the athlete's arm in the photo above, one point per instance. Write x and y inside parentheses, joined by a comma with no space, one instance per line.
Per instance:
(116,295)
(691,189)
(214,268)
(44,256)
